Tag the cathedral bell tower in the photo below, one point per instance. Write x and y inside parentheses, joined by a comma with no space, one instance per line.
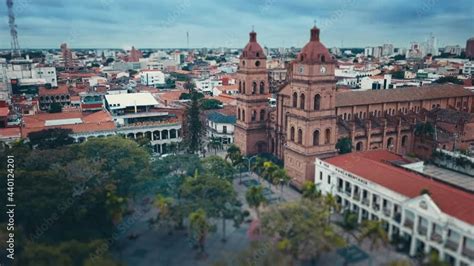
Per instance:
(311,113)
(252,101)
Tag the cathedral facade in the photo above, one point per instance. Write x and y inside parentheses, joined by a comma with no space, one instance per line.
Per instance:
(311,115)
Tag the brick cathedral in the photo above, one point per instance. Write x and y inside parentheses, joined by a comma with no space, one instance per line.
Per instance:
(311,115)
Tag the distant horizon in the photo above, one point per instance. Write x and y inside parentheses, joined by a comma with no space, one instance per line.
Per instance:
(43,24)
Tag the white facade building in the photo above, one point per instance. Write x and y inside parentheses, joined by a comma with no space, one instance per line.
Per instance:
(373,186)
(207,85)
(221,126)
(152,77)
(135,116)
(468,68)
(376,82)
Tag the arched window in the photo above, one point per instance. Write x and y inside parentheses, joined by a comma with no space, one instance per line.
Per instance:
(243,87)
(404,141)
(302,100)
(240,86)
(317,102)
(359,146)
(254,87)
(323,58)
(349,117)
(295,99)
(262,87)
(292,134)
(254,115)
(300,136)
(345,116)
(262,115)
(327,136)
(316,137)
(390,143)
(243,115)
(238,113)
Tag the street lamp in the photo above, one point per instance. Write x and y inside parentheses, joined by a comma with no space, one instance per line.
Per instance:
(249,159)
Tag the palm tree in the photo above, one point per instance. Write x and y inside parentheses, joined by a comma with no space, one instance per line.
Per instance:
(165,215)
(199,228)
(255,198)
(233,154)
(281,177)
(310,191)
(374,231)
(331,204)
(269,170)
(214,143)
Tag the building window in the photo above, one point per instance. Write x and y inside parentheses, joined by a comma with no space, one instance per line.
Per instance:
(320,175)
(240,86)
(317,102)
(224,129)
(302,100)
(238,113)
(262,87)
(254,87)
(254,115)
(300,136)
(262,115)
(404,141)
(295,99)
(390,143)
(243,87)
(292,134)
(243,115)
(327,137)
(316,137)
(359,146)
(329,179)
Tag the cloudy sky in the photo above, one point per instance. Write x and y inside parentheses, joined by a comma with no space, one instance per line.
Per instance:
(217,23)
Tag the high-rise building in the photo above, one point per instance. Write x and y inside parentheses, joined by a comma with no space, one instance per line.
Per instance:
(67,56)
(387,49)
(470,48)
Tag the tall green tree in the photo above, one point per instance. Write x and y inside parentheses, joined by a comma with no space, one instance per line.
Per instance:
(300,229)
(255,198)
(50,138)
(344,145)
(310,191)
(195,128)
(199,228)
(374,232)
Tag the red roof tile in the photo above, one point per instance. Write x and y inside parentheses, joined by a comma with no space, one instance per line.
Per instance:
(372,166)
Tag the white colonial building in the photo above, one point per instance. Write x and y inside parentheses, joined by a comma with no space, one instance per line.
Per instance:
(374,186)
(136,116)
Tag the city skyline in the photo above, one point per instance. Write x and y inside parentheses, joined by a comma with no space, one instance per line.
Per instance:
(164,24)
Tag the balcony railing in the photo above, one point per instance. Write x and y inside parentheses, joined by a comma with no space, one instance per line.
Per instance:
(339,189)
(468,253)
(451,244)
(376,207)
(408,223)
(365,201)
(436,237)
(386,211)
(422,230)
(397,217)
(356,196)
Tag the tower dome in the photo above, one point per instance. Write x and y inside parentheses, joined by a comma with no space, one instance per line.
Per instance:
(314,52)
(253,50)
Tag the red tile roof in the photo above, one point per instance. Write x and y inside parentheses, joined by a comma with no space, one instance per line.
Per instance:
(62,89)
(4,111)
(94,122)
(10,132)
(351,98)
(373,166)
